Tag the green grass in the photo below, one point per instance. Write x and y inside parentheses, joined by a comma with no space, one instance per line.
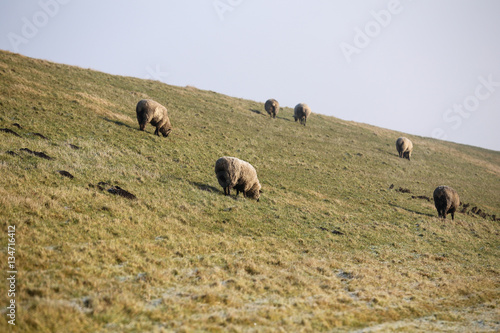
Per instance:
(184,257)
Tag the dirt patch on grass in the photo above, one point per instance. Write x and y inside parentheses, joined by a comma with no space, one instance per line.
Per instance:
(476,211)
(65,174)
(114,189)
(40,135)
(423,197)
(37,153)
(7,130)
(333,231)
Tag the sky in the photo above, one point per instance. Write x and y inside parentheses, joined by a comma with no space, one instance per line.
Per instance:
(422,67)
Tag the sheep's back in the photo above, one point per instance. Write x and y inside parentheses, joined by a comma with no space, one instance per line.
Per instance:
(301,110)
(248,174)
(227,170)
(152,108)
(404,144)
(446,195)
(271,103)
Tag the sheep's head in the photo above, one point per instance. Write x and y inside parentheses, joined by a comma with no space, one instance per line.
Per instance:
(254,192)
(165,130)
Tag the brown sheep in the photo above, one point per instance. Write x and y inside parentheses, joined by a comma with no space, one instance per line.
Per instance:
(272,107)
(446,201)
(149,111)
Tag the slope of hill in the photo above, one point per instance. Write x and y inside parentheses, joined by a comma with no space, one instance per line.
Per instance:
(343,238)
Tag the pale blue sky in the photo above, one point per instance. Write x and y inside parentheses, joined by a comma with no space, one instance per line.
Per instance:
(423,67)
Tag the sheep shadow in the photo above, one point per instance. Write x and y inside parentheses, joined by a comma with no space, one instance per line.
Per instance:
(265,114)
(411,210)
(205,187)
(119,123)
(386,152)
(211,189)
(256,111)
(283,118)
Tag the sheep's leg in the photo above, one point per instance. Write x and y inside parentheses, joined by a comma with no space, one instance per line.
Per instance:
(453,215)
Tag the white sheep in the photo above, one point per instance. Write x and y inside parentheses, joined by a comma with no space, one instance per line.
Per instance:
(149,111)
(404,147)
(234,173)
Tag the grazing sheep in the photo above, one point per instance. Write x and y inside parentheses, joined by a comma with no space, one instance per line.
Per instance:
(404,147)
(272,107)
(149,111)
(446,201)
(301,112)
(234,173)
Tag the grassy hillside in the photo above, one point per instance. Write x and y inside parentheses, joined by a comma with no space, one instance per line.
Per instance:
(343,237)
